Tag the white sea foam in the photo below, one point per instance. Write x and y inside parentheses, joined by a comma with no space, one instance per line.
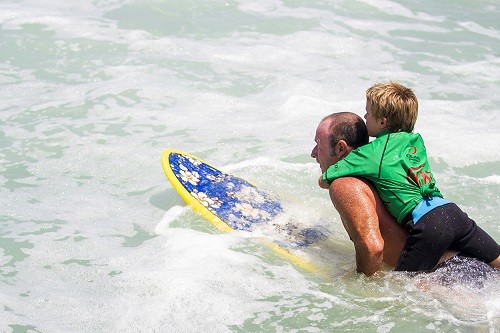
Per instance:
(94,238)
(164,226)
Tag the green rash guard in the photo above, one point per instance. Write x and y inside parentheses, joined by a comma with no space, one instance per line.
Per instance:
(396,163)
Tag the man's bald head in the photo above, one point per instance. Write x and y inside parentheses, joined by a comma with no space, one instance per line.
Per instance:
(346,126)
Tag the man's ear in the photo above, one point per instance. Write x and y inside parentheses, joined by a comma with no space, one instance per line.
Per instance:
(342,149)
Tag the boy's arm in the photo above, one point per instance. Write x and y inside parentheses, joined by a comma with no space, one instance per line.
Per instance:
(362,162)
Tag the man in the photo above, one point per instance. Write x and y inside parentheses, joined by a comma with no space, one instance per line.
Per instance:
(396,163)
(377,238)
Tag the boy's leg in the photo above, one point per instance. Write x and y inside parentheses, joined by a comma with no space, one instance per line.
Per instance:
(473,241)
(495,263)
(446,227)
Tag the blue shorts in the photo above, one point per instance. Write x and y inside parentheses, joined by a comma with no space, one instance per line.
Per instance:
(443,228)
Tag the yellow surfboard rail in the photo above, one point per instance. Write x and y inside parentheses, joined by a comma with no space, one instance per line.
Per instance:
(215,220)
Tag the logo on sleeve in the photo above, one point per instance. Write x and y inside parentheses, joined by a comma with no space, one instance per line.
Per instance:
(411,155)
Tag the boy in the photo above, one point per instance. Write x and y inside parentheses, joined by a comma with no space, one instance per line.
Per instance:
(396,163)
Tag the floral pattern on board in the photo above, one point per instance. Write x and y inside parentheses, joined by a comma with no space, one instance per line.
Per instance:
(235,201)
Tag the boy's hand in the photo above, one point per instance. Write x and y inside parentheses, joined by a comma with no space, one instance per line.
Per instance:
(322,183)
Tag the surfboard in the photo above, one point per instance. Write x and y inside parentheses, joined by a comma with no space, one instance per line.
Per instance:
(232,203)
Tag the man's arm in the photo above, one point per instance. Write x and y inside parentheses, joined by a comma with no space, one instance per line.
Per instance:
(377,238)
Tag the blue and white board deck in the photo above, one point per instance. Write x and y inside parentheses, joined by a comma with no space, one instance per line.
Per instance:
(228,202)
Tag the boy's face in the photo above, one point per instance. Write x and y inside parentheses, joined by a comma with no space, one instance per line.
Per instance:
(373,124)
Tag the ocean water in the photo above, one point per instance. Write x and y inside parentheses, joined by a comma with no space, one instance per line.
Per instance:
(94,239)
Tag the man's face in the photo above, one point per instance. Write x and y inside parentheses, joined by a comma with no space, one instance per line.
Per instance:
(321,151)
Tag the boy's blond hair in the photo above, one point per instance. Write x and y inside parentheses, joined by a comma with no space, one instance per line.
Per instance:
(396,103)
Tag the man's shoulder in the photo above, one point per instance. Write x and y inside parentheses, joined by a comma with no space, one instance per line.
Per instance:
(350,184)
